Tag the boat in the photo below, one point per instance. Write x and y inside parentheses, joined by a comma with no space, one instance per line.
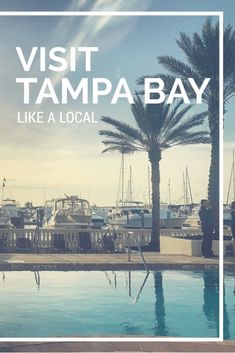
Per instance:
(227,222)
(5,220)
(16,216)
(136,215)
(70,212)
(70,219)
(192,219)
(97,221)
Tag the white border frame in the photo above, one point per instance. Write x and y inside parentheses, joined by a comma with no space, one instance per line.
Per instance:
(221,276)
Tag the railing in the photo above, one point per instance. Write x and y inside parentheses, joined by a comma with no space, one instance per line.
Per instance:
(42,240)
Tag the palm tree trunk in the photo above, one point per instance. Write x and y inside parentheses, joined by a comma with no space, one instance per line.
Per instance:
(213,185)
(154,158)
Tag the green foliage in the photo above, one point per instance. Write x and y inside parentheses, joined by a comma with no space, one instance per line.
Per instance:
(158,127)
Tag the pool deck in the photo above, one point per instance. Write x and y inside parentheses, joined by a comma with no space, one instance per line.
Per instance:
(74,262)
(226,346)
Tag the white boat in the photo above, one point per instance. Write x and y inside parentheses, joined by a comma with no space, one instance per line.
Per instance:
(70,219)
(70,213)
(97,221)
(193,219)
(16,216)
(5,220)
(227,216)
(101,211)
(141,217)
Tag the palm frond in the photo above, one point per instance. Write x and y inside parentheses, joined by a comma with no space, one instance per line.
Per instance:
(124,128)
(120,149)
(189,138)
(178,68)
(119,146)
(185,44)
(182,129)
(150,117)
(140,115)
(199,137)
(117,137)
(174,116)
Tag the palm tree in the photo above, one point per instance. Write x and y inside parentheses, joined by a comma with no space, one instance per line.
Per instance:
(202,54)
(158,127)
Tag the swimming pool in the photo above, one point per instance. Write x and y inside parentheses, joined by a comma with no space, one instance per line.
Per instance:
(229,306)
(97,303)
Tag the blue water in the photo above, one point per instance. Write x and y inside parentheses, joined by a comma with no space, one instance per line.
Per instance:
(170,303)
(229,306)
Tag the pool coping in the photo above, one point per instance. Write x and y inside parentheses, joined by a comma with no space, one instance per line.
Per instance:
(105,267)
(130,347)
(106,262)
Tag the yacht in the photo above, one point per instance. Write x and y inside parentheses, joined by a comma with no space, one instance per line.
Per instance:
(16,216)
(136,215)
(5,220)
(98,222)
(227,216)
(70,212)
(66,216)
(192,219)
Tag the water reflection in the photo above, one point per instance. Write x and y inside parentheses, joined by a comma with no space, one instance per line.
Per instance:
(37,279)
(112,280)
(227,322)
(141,288)
(211,299)
(160,312)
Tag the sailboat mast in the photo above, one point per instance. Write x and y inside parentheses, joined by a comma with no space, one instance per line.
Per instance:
(184,189)
(2,190)
(149,192)
(231,181)
(122,179)
(233,178)
(189,186)
(229,186)
(169,191)
(130,183)
(119,183)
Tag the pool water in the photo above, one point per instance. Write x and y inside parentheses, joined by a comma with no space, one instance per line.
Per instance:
(229,306)
(96,303)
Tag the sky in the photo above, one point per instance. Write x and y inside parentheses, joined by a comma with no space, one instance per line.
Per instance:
(41,161)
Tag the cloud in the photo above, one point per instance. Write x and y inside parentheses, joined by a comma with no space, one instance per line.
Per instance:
(89,27)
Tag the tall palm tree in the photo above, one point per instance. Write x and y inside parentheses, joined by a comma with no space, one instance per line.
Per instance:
(158,127)
(202,54)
